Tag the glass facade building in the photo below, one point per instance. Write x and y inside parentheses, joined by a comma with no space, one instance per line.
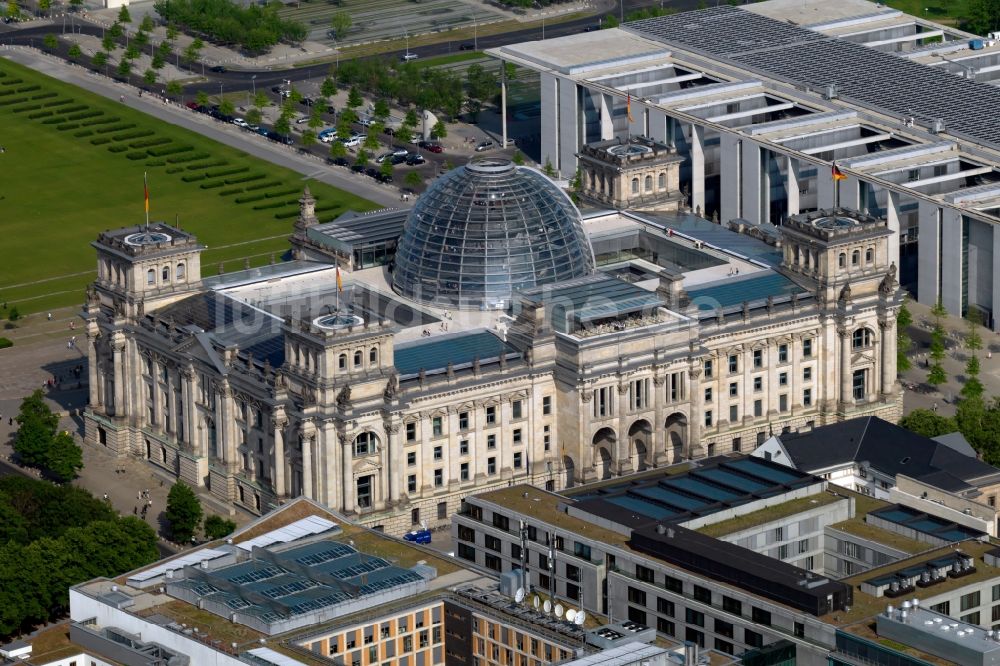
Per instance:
(486,230)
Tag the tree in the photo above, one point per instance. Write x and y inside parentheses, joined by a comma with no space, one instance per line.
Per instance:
(171,31)
(116,31)
(75,52)
(64,458)
(936,375)
(183,512)
(146,24)
(973,340)
(149,76)
(439,131)
(157,62)
(927,423)
(386,168)
(75,4)
(340,23)
(141,39)
(316,117)
(404,134)
(308,138)
(903,342)
(123,15)
(261,100)
(253,116)
(413,180)
(131,52)
(44,6)
(518,158)
(165,49)
(982,16)
(100,59)
(371,141)
(201,97)
(548,169)
(362,158)
(124,67)
(108,43)
(226,107)
(50,41)
(175,88)
(354,99)
(282,125)
(193,50)
(338,150)
(12,9)
(328,88)
(36,427)
(217,527)
(381,110)
(411,119)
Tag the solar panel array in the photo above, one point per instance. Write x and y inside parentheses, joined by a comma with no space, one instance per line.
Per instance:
(333,552)
(876,79)
(300,528)
(258,575)
(188,559)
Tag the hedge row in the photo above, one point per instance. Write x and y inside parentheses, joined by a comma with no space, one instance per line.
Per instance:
(7,91)
(262,186)
(53,119)
(118,149)
(207,165)
(58,102)
(170,150)
(44,95)
(274,204)
(249,199)
(244,179)
(15,100)
(327,207)
(227,172)
(175,169)
(180,159)
(156,163)
(68,109)
(67,126)
(85,114)
(104,121)
(135,134)
(100,140)
(40,114)
(83,133)
(26,107)
(115,128)
(192,177)
(29,88)
(212,184)
(231,191)
(284,215)
(136,155)
(282,193)
(149,143)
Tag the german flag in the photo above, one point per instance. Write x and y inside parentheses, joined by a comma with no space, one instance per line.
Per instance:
(145,191)
(340,282)
(838,175)
(628,108)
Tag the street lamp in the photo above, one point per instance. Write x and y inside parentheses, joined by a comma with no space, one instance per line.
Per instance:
(475,33)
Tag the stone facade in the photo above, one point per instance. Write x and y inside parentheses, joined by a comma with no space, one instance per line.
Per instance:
(338,423)
(637,174)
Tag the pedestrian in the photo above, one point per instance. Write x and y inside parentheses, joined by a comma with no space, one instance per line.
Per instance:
(934,407)
(135,510)
(50,316)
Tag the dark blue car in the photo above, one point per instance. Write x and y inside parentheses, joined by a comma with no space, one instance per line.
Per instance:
(418,536)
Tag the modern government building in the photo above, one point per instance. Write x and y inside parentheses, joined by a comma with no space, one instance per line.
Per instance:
(761,100)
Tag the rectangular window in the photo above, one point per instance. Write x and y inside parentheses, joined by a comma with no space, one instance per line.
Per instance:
(463,447)
(491,415)
(673,584)
(996,592)
(492,562)
(807,348)
(463,420)
(645,574)
(724,628)
(737,444)
(636,596)
(753,639)
(492,543)
(438,453)
(572,591)
(437,426)
(734,364)
(411,483)
(702,594)
(466,533)
(516,409)
(760,616)
(518,456)
(783,402)
(546,405)
(758,407)
(782,353)
(723,646)
(782,379)
(758,358)
(858,384)
(665,627)
(944,608)
(971,618)
(491,465)
(799,630)
(515,551)
(807,397)
(708,418)
(438,478)
(734,413)
(581,550)
(734,389)
(732,606)
(491,441)
(501,521)
(807,373)
(697,618)
(694,636)
(970,600)
(758,384)
(708,394)
(572,573)
(636,615)
(996,613)
(411,458)
(414,516)
(708,368)
(516,436)
(666,607)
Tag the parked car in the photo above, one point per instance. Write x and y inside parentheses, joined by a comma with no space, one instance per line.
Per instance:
(303,119)
(466,46)
(357,168)
(192,105)
(431,146)
(307,101)
(263,131)
(399,151)
(276,89)
(485,145)
(383,157)
(413,159)
(389,131)
(218,69)
(397,159)
(356,140)
(382,178)
(372,172)
(339,161)
(422,535)
(240,122)
(328,135)
(407,57)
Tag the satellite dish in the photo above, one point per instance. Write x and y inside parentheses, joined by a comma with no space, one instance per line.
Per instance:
(547,606)
(559,610)
(581,616)
(536,602)
(570,614)
(519,595)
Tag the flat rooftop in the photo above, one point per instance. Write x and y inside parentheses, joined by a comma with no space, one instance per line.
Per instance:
(577,54)
(812,13)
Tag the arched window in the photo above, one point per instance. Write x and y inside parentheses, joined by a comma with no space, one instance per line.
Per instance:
(150,276)
(842,260)
(862,338)
(342,361)
(166,274)
(357,359)
(855,258)
(649,183)
(869,255)
(365,444)
(179,273)
(635,186)
(373,356)
(663,180)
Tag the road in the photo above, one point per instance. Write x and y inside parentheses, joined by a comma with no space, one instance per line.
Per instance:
(239,80)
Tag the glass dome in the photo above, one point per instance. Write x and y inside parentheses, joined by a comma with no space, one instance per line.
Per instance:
(485,230)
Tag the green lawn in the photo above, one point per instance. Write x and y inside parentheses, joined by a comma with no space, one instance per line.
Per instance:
(949,12)
(65,178)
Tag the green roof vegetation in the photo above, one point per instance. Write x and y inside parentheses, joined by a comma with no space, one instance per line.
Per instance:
(768,514)
(858,527)
(679,468)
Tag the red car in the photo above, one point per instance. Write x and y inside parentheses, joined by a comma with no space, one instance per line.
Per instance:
(191,105)
(432,147)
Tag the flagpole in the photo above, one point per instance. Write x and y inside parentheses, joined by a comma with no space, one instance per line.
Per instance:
(145,190)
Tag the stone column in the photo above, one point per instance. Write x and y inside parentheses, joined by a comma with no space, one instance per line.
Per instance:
(752,198)
(696,396)
(187,400)
(731,194)
(118,345)
(792,184)
(92,374)
(892,221)
(929,250)
(698,168)
(225,426)
(888,333)
(347,468)
(658,455)
(395,472)
(308,441)
(846,395)
(279,422)
(607,120)
(154,394)
(623,453)
(951,261)
(170,422)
